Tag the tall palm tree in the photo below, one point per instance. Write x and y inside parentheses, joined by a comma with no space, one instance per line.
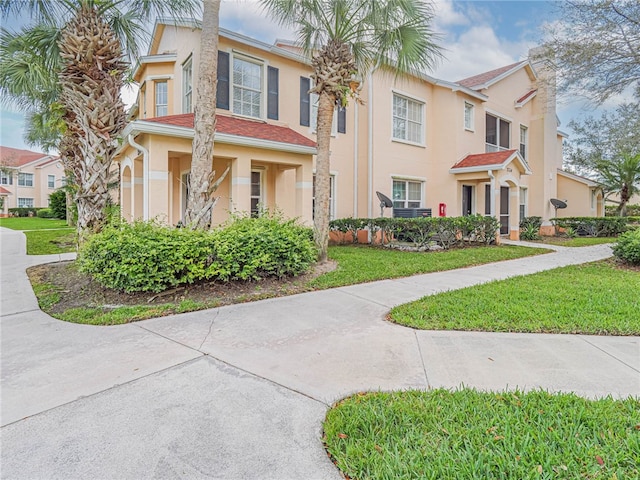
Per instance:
(347,39)
(78,78)
(201,201)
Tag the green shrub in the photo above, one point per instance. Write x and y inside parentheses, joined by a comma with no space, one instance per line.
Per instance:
(24,211)
(146,256)
(531,221)
(252,248)
(612,210)
(593,226)
(45,213)
(530,232)
(628,247)
(58,204)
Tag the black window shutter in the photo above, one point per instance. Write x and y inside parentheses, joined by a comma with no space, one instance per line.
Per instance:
(272,93)
(305,85)
(342,120)
(222,94)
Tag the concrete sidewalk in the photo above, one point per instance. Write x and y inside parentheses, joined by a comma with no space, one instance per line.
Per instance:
(240,392)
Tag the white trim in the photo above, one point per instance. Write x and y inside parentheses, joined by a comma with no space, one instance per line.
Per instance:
(578,178)
(138,181)
(395,176)
(495,113)
(159,58)
(155,78)
(526,100)
(473,116)
(158,175)
(304,185)
(423,119)
(241,181)
(127,162)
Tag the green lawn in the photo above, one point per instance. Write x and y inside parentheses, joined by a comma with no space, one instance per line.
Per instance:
(44,242)
(596,298)
(469,435)
(359,264)
(32,223)
(578,241)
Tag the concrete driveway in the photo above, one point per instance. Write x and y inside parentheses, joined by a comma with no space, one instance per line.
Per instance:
(240,392)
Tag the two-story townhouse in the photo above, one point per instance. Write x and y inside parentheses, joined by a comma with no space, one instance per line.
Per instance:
(27,178)
(488,144)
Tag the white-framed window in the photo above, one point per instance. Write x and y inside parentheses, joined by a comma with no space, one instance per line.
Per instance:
(332,197)
(25,202)
(256,192)
(498,133)
(247,87)
(468,116)
(51,181)
(25,179)
(187,86)
(523,202)
(524,137)
(162,98)
(6,178)
(408,115)
(407,194)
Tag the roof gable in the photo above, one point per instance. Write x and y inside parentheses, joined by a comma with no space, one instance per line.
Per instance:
(490,161)
(486,79)
(15,157)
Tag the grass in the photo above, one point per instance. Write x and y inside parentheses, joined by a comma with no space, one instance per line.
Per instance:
(32,223)
(44,242)
(596,298)
(467,435)
(359,264)
(578,241)
(119,315)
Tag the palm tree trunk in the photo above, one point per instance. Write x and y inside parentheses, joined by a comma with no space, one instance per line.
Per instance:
(326,105)
(201,201)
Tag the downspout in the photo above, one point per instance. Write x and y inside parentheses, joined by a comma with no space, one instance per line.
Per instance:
(145,176)
(355,163)
(370,148)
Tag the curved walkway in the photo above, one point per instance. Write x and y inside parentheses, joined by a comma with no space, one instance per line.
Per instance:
(240,392)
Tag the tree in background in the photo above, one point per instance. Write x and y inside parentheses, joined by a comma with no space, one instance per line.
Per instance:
(202,183)
(596,45)
(67,71)
(345,40)
(608,148)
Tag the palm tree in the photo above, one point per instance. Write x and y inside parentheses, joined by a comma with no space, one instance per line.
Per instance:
(621,177)
(78,79)
(346,39)
(201,201)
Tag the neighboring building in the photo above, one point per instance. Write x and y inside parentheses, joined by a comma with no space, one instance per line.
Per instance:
(488,144)
(27,178)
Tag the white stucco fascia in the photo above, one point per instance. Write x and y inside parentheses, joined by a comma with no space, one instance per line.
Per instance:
(578,178)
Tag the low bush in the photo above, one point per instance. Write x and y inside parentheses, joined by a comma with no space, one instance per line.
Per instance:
(146,256)
(628,247)
(446,232)
(593,226)
(45,213)
(23,211)
(526,222)
(612,210)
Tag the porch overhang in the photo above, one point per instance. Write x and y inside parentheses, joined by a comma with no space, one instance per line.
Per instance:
(484,162)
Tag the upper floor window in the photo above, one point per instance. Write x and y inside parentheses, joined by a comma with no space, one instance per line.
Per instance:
(51,181)
(407,119)
(468,116)
(247,88)
(6,178)
(162,98)
(524,134)
(25,202)
(187,86)
(407,194)
(25,179)
(498,131)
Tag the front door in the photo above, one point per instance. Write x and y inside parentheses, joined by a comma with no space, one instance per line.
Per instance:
(467,199)
(504,210)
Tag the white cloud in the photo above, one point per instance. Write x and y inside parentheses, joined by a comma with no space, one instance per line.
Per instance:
(447,15)
(248,18)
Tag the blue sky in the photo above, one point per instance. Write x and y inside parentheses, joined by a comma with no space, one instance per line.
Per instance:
(477,35)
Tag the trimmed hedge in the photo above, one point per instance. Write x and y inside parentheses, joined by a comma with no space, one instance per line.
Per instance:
(423,232)
(45,213)
(627,248)
(612,210)
(593,226)
(149,257)
(24,211)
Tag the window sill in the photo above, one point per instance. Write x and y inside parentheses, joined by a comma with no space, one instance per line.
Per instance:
(408,142)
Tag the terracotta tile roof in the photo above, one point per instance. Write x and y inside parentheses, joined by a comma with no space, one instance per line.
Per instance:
(4,191)
(15,157)
(526,96)
(485,77)
(242,128)
(484,159)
